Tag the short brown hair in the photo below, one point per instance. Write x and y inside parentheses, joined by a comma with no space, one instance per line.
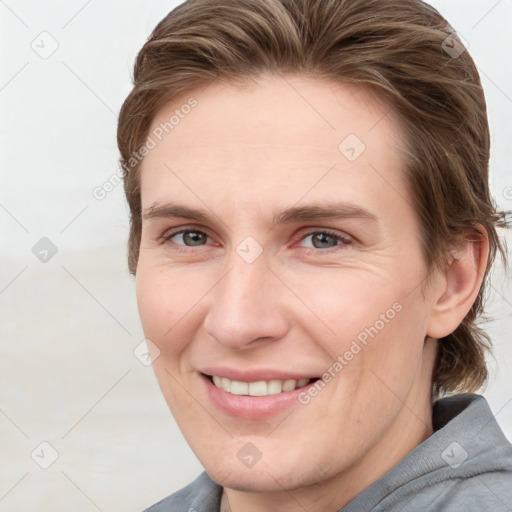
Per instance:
(405,52)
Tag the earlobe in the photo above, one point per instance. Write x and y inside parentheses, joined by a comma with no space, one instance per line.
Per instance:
(462,281)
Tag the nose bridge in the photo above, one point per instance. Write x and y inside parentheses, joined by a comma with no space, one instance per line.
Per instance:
(244,304)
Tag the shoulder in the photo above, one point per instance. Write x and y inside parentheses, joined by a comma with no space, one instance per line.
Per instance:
(466,464)
(479,493)
(474,458)
(201,495)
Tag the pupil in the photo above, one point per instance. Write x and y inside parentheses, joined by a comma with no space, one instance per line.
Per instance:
(323,239)
(193,238)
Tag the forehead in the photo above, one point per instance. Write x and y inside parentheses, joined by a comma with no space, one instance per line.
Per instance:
(278,138)
(274,109)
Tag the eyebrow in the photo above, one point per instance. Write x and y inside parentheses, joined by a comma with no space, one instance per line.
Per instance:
(287,216)
(323,211)
(174,210)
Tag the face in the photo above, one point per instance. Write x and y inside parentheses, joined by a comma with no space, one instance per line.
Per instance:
(279,280)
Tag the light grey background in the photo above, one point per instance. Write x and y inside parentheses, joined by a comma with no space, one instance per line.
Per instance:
(69,326)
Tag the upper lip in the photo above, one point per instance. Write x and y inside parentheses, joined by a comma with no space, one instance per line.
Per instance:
(255,374)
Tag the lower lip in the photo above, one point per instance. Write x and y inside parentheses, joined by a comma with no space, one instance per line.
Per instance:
(252,407)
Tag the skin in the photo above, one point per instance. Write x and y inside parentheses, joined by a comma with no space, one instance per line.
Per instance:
(243,154)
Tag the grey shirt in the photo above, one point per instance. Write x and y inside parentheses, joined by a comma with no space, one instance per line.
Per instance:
(465,465)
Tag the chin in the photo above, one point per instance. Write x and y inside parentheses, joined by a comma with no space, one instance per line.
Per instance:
(263,477)
(252,480)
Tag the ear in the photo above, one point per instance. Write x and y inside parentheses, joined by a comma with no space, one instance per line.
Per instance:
(459,283)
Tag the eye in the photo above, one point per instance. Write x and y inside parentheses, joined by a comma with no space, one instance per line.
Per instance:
(187,237)
(324,240)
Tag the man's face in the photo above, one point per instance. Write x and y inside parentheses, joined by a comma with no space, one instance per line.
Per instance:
(279,244)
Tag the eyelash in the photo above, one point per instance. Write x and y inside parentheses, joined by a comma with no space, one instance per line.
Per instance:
(166,238)
(344,240)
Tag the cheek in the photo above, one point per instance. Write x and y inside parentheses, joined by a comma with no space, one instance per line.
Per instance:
(152,304)
(394,350)
(164,301)
(375,322)
(350,302)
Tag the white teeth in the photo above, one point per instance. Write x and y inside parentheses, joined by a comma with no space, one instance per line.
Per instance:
(226,384)
(259,388)
(239,388)
(274,387)
(288,385)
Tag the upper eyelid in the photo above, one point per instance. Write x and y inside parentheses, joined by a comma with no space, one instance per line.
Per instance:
(311,230)
(329,231)
(344,237)
(169,233)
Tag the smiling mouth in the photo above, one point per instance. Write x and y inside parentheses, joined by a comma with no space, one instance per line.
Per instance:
(258,388)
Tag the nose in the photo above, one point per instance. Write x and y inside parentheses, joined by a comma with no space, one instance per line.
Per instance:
(246,308)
